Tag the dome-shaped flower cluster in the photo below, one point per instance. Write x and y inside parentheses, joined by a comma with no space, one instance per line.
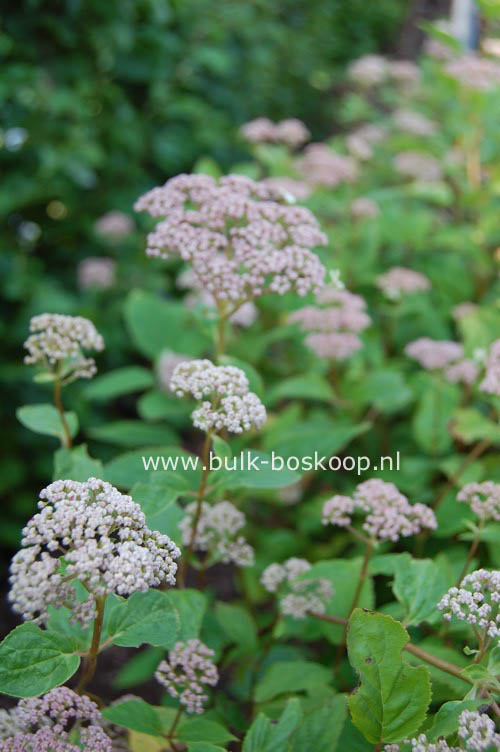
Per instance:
(59,721)
(474,72)
(240,238)
(476,601)
(230,404)
(400,281)
(389,514)
(419,166)
(298,596)
(291,132)
(186,673)
(217,533)
(361,141)
(96,273)
(334,324)
(319,165)
(483,499)
(443,355)
(57,342)
(92,533)
(243,316)
(491,380)
(372,70)
(414,123)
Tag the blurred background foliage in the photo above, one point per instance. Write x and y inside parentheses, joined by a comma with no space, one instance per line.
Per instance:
(101,100)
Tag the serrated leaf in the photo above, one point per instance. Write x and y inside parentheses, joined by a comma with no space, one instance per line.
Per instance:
(191,606)
(148,617)
(45,419)
(418,585)
(470,426)
(288,722)
(33,661)
(202,730)
(258,735)
(391,702)
(238,625)
(285,677)
(137,715)
(445,721)
(320,730)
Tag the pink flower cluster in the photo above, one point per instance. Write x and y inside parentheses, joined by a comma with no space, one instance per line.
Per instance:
(59,721)
(389,514)
(298,596)
(371,70)
(230,405)
(92,533)
(96,272)
(217,533)
(57,342)
(491,380)
(319,165)
(483,499)
(414,164)
(414,123)
(400,281)
(361,141)
(291,132)
(476,732)
(240,240)
(243,316)
(474,72)
(187,671)
(443,355)
(333,328)
(114,225)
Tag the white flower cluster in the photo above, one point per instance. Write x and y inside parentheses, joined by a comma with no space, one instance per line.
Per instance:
(187,671)
(54,722)
(483,499)
(474,72)
(217,533)
(230,404)
(389,514)
(475,730)
(372,70)
(291,132)
(56,344)
(241,239)
(445,355)
(298,597)
(334,324)
(476,601)
(491,381)
(92,533)
(319,165)
(400,281)
(166,365)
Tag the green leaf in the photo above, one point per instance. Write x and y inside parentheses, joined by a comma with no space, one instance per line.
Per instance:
(129,468)
(191,606)
(204,747)
(221,448)
(158,405)
(494,661)
(137,715)
(148,617)
(385,389)
(312,386)
(33,661)
(285,677)
(391,701)
(418,585)
(139,668)
(76,464)
(201,730)
(259,475)
(258,735)
(132,433)
(157,500)
(431,422)
(445,721)
(320,730)
(319,435)
(470,426)
(46,420)
(238,625)
(288,722)
(119,382)
(154,325)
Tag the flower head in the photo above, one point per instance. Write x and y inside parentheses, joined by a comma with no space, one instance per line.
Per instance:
(114,225)
(389,514)
(57,343)
(92,533)
(96,272)
(368,70)
(491,381)
(319,165)
(404,72)
(291,132)
(445,356)
(477,731)
(298,595)
(400,281)
(187,671)
(414,122)
(217,533)
(239,237)
(59,721)
(476,601)
(474,72)
(417,165)
(361,141)
(229,405)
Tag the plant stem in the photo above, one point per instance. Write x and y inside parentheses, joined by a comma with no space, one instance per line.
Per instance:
(472,551)
(181,577)
(221,336)
(174,725)
(90,661)
(448,668)
(66,441)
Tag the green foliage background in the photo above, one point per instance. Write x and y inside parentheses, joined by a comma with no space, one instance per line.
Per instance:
(114,97)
